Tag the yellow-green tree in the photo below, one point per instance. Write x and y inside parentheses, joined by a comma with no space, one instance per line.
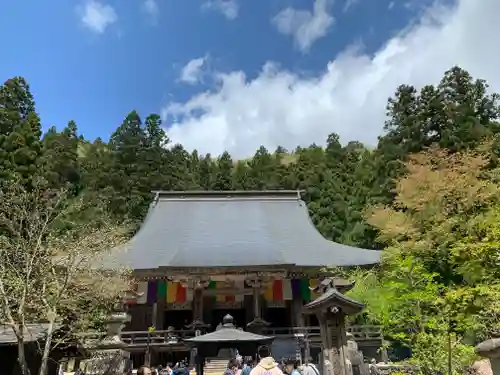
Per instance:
(439,278)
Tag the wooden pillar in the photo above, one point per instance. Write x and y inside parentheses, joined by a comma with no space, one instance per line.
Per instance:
(258,323)
(154,315)
(159,323)
(257,309)
(297,314)
(198,304)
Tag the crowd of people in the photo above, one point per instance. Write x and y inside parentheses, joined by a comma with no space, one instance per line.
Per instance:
(180,368)
(266,365)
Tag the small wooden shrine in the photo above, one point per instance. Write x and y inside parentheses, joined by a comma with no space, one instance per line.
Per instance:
(331,309)
(228,336)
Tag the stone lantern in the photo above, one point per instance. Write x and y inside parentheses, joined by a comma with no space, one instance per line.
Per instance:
(491,350)
(109,355)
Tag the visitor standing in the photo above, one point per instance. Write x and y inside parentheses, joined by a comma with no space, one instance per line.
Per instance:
(232,367)
(247,368)
(291,367)
(267,364)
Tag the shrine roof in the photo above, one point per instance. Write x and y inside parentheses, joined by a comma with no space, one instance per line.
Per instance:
(332,297)
(229,334)
(233,229)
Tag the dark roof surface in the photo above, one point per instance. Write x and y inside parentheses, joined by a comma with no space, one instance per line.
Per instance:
(231,229)
(333,296)
(229,334)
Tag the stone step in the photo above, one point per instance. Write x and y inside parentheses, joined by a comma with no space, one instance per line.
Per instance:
(215,365)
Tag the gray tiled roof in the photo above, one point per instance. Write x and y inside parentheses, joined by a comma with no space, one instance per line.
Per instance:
(333,295)
(226,229)
(229,334)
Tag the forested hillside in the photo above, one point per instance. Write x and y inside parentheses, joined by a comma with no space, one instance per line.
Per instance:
(339,180)
(427,193)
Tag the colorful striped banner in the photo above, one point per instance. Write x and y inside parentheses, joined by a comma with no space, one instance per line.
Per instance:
(171,292)
(287,290)
(152,291)
(162,290)
(181,293)
(296,290)
(305,292)
(176,292)
(189,294)
(219,298)
(313,283)
(142,287)
(222,298)
(268,293)
(276,291)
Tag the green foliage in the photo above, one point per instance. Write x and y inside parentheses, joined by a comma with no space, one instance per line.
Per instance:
(437,217)
(431,353)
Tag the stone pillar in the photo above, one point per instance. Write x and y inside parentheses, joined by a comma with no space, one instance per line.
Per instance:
(355,357)
(326,346)
(108,356)
(491,350)
(339,341)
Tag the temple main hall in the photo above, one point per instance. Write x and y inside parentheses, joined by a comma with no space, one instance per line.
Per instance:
(201,255)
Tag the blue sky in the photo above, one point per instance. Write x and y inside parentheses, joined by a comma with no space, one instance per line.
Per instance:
(94,61)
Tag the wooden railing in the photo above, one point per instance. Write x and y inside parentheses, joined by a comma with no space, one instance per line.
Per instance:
(175,337)
(285,332)
(156,338)
(365,332)
(359,332)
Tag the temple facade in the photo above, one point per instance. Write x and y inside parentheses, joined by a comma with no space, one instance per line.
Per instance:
(199,256)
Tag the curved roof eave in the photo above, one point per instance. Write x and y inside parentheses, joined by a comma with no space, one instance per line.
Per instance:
(334,297)
(234,229)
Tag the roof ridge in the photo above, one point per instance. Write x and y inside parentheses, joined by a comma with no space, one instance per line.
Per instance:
(227,193)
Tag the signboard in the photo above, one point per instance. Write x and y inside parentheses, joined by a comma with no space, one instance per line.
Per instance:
(275,304)
(228,305)
(179,306)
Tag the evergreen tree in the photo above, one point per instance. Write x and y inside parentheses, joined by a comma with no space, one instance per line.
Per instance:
(224,173)
(20,131)
(128,177)
(61,160)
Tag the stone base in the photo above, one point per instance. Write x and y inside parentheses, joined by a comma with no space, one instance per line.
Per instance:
(107,362)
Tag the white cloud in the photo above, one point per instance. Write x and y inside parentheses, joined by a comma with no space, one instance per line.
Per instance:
(97,16)
(192,72)
(305,26)
(349,97)
(150,7)
(229,8)
(349,4)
